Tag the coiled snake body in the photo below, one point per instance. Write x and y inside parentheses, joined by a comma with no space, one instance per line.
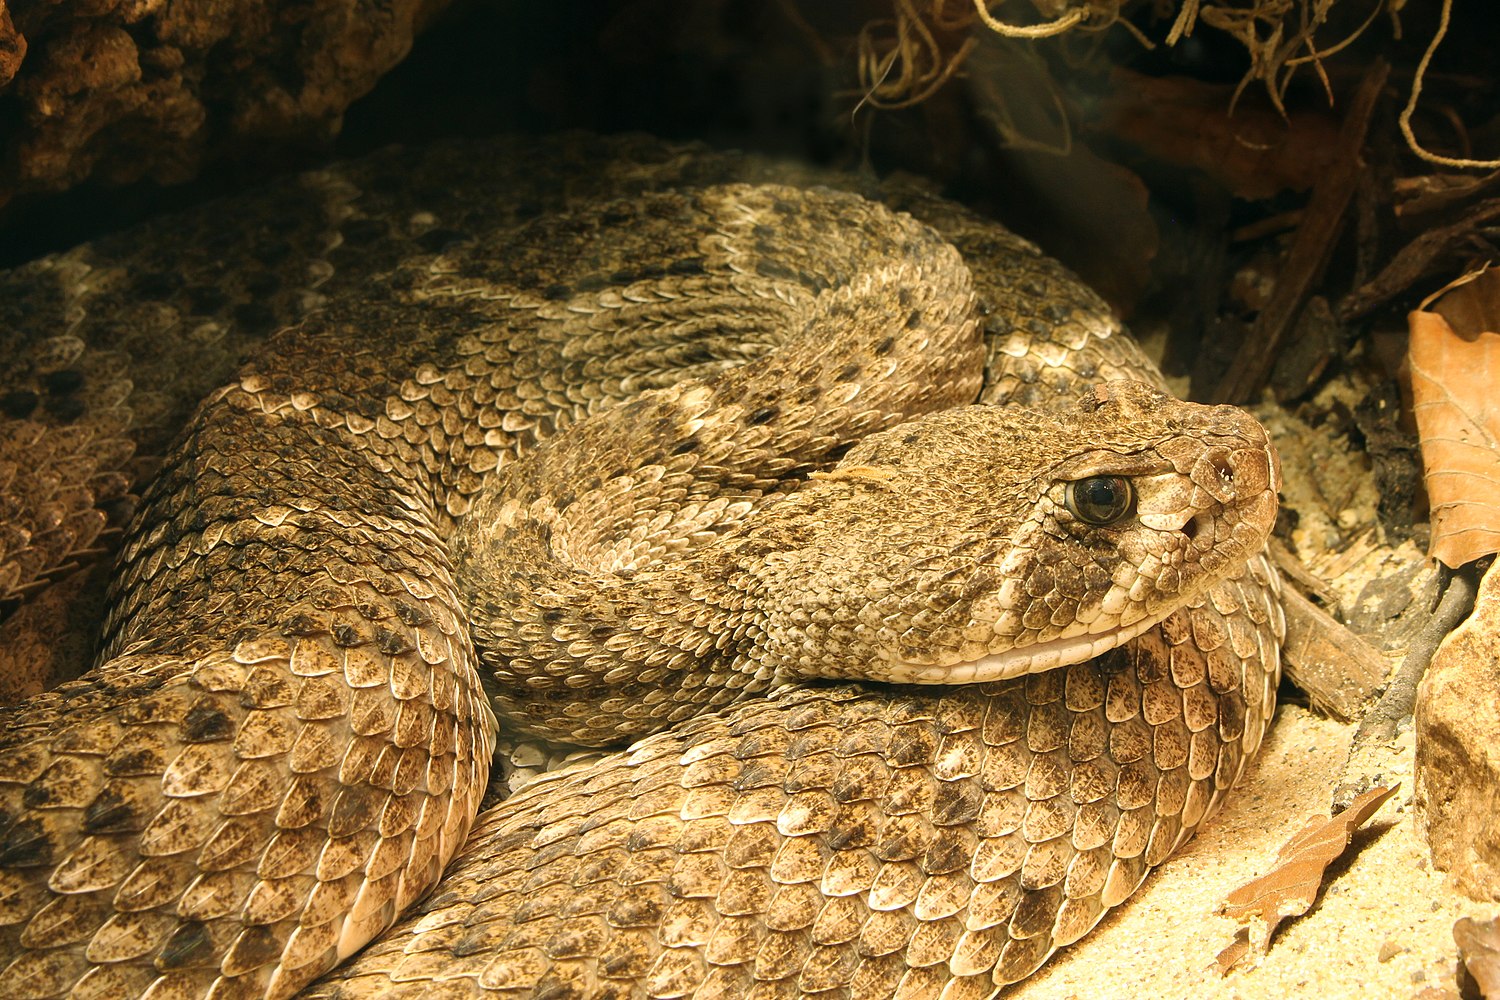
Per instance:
(287,738)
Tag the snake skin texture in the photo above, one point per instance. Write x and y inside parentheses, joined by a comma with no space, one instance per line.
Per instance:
(611,438)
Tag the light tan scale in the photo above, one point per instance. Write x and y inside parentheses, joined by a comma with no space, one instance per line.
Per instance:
(645,456)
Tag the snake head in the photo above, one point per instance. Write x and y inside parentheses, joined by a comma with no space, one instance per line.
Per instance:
(996,545)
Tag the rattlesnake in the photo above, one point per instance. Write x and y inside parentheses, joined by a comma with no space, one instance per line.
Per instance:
(287,740)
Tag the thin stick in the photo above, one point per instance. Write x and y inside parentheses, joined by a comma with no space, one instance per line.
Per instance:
(1378,729)
(1311,250)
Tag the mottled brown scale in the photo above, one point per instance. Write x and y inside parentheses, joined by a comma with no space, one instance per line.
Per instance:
(286,738)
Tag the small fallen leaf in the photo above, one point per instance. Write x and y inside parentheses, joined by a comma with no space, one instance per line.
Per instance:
(1291,886)
(1235,952)
(1454,358)
(1479,947)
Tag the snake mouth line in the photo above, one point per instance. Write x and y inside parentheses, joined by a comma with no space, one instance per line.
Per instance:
(1033,659)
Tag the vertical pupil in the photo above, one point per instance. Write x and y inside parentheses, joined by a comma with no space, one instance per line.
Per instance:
(1099,499)
(1102,493)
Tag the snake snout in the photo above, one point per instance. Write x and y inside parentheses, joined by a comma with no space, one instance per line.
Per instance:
(1239,477)
(1252,469)
(1238,470)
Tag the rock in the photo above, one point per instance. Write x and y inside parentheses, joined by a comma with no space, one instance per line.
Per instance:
(123,90)
(1458,733)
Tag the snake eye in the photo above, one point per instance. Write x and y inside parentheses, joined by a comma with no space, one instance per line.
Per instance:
(1100,500)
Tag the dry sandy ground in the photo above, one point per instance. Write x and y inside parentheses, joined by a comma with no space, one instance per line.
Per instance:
(1383,928)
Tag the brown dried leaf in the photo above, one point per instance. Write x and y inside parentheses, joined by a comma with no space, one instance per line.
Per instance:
(1235,953)
(1454,358)
(1290,888)
(1479,947)
(1092,213)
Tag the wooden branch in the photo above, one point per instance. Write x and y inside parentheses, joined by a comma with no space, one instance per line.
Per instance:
(1311,249)
(1339,671)
(1369,749)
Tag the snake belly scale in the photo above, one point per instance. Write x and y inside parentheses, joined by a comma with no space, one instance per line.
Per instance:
(619,439)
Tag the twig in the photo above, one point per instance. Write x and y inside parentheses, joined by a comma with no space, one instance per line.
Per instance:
(1338,670)
(1378,729)
(1310,251)
(1413,261)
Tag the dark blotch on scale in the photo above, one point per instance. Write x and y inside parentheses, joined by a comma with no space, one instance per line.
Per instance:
(19,405)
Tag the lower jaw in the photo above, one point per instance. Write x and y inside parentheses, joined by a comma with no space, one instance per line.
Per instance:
(1033,659)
